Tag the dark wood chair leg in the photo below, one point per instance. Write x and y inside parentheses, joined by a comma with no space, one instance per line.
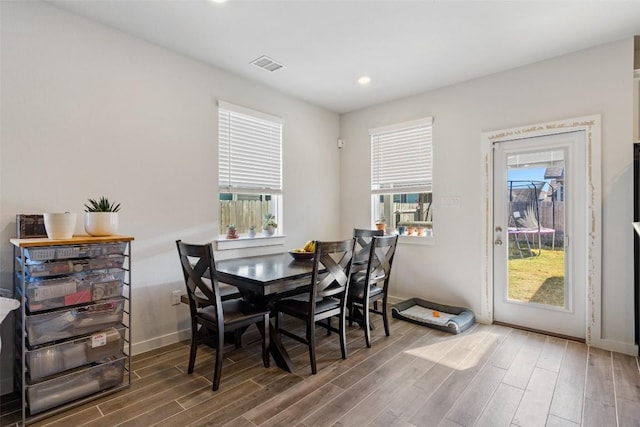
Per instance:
(217,372)
(311,337)
(343,335)
(194,347)
(367,323)
(350,308)
(385,316)
(328,326)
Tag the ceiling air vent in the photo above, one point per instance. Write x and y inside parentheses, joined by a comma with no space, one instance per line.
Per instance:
(267,63)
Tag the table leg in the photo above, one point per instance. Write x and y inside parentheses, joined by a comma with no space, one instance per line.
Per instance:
(277,350)
(358,317)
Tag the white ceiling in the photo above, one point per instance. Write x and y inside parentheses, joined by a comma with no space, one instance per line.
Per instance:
(406,47)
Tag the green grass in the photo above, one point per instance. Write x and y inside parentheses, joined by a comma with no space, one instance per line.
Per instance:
(538,279)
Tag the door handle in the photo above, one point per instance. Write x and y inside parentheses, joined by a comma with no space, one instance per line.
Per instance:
(498,242)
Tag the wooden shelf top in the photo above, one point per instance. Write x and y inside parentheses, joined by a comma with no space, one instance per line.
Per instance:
(75,240)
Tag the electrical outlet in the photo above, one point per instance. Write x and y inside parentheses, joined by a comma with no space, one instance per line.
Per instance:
(175,297)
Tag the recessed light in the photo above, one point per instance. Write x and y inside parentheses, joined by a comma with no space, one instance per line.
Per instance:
(364,80)
(219,1)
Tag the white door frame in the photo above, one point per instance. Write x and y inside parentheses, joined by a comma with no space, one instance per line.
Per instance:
(591,126)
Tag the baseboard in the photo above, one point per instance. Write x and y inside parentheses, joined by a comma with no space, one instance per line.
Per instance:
(617,346)
(157,342)
(395,300)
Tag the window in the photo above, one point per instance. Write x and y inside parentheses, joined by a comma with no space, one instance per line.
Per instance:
(402,177)
(249,167)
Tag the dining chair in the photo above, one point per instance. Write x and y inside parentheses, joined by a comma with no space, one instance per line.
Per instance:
(372,285)
(209,311)
(363,237)
(327,296)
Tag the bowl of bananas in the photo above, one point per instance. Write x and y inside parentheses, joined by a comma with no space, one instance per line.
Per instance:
(306,253)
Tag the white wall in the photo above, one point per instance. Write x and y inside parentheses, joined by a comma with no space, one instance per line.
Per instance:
(594,81)
(88,111)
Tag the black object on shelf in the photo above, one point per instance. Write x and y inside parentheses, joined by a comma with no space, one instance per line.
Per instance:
(30,225)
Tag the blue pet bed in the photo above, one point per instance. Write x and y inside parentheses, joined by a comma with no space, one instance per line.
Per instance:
(438,316)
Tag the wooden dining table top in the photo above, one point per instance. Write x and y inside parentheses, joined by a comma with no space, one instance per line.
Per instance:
(265,275)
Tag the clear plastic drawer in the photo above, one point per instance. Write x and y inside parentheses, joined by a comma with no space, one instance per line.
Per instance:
(75,385)
(51,360)
(64,324)
(56,268)
(45,294)
(75,251)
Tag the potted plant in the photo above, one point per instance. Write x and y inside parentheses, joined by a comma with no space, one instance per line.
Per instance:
(269,224)
(101,217)
(252,231)
(381,223)
(232,231)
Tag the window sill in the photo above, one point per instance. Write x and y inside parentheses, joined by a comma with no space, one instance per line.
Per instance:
(415,240)
(223,244)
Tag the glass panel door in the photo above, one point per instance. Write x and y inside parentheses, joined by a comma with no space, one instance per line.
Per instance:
(535,210)
(540,238)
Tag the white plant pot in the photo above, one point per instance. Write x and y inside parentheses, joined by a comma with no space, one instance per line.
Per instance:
(269,230)
(101,223)
(60,225)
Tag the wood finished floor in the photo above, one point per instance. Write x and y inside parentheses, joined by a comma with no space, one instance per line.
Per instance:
(488,376)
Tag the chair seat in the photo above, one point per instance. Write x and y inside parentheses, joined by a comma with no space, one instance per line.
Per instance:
(235,311)
(301,308)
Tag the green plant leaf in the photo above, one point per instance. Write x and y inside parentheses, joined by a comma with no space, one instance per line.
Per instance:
(101,205)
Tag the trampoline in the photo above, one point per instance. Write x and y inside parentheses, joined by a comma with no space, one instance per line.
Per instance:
(525,228)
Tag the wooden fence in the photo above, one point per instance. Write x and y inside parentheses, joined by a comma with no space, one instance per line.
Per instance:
(243,213)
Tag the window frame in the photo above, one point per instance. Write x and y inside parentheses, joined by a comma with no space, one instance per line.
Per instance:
(402,174)
(258,138)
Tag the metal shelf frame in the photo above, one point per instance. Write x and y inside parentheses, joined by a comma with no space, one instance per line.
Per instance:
(19,276)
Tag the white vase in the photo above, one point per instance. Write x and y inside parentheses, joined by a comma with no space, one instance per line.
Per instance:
(59,225)
(101,223)
(269,230)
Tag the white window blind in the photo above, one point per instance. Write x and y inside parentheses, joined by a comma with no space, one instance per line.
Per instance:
(249,151)
(402,157)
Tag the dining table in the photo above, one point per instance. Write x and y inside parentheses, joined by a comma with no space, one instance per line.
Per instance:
(262,280)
